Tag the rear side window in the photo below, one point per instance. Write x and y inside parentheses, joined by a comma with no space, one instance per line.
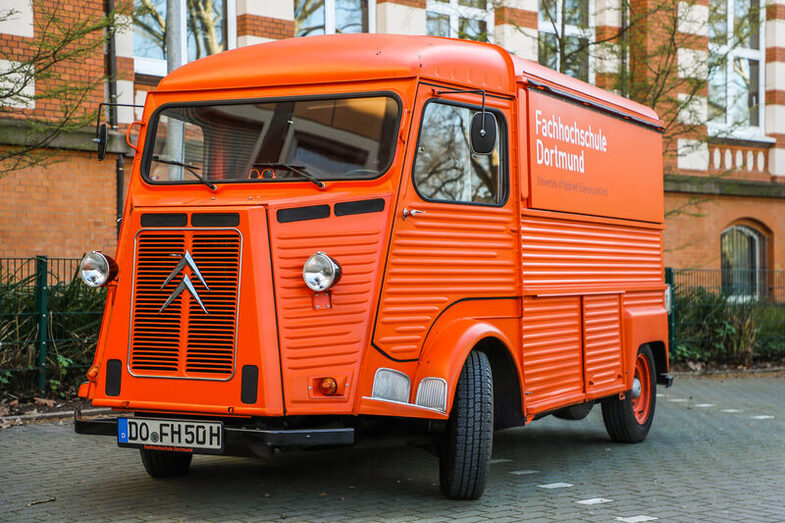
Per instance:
(445,168)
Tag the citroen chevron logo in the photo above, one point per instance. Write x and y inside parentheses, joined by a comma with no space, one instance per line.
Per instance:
(186,260)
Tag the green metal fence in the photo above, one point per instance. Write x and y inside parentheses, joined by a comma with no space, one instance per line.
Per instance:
(730,316)
(49,322)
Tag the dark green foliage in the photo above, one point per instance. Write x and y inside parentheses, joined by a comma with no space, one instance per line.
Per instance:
(74,318)
(713,327)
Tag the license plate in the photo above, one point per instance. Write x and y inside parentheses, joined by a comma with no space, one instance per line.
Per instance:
(166,434)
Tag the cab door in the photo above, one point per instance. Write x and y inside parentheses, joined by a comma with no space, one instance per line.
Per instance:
(455,233)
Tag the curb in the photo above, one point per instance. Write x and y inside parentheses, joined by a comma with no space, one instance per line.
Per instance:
(55,415)
(727,372)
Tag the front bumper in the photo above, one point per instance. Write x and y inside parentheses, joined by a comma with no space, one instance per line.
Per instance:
(240,441)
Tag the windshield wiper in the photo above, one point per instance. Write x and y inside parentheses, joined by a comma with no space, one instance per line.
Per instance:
(297,169)
(190,168)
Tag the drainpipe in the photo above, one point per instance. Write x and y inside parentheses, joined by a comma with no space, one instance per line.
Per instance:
(111,73)
(624,49)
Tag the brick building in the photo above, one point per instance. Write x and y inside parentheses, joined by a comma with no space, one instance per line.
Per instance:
(724,196)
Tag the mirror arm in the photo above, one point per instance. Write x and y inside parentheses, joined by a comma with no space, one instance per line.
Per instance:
(108,104)
(473,91)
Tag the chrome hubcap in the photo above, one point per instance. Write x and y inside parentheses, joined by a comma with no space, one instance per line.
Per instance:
(636,388)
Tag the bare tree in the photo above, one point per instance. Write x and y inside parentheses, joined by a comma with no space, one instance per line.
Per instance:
(645,50)
(41,94)
(205,19)
(303,11)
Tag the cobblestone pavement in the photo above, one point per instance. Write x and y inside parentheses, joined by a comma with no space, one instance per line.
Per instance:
(716,453)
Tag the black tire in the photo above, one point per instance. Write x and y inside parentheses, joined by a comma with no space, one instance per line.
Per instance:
(465,457)
(165,464)
(620,417)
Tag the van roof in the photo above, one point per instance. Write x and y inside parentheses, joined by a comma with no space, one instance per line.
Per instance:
(357,57)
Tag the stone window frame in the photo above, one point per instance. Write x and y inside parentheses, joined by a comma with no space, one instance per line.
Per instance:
(157,66)
(546,26)
(455,11)
(759,257)
(329,17)
(732,52)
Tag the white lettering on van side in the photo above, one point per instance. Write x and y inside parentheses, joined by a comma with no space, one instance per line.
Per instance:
(583,136)
(554,157)
(573,134)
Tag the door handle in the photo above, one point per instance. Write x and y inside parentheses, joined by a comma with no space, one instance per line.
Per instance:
(413,213)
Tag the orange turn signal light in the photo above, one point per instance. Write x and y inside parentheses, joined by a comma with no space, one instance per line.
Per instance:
(92,374)
(328,386)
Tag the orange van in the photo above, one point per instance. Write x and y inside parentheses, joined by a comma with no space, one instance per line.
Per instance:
(332,238)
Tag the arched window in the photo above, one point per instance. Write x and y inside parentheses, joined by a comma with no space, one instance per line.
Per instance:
(743,262)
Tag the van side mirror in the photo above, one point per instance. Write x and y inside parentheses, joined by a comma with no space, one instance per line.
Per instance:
(101,139)
(101,130)
(483,133)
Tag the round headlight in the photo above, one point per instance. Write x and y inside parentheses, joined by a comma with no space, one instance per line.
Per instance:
(320,272)
(97,269)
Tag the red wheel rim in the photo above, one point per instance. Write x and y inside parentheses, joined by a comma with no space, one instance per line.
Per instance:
(641,406)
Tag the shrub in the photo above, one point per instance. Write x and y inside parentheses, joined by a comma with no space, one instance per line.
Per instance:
(713,327)
(74,318)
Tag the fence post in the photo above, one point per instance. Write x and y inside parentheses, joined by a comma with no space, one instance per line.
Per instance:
(41,291)
(672,313)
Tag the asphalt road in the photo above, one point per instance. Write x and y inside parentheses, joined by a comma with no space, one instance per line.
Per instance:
(716,452)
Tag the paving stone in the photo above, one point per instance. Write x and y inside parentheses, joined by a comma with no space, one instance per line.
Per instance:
(698,464)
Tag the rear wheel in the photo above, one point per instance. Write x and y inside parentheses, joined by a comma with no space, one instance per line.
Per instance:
(629,420)
(165,464)
(465,458)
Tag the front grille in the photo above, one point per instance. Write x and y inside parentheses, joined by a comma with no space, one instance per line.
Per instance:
(183,340)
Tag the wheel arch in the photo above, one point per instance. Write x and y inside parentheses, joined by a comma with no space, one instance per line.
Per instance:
(445,355)
(660,353)
(645,326)
(507,402)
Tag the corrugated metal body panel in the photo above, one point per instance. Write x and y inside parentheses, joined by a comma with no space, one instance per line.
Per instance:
(328,341)
(211,338)
(552,354)
(156,336)
(449,253)
(602,342)
(644,299)
(182,340)
(559,253)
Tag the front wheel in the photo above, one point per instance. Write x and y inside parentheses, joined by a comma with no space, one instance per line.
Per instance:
(629,420)
(465,458)
(165,464)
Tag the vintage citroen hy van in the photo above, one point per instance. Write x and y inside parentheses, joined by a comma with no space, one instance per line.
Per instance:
(331,238)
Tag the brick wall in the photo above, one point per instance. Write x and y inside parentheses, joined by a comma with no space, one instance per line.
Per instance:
(68,206)
(64,209)
(84,71)
(259,21)
(692,235)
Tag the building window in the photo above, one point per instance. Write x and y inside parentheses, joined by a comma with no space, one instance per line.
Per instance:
(564,36)
(743,260)
(736,75)
(318,17)
(467,19)
(210,28)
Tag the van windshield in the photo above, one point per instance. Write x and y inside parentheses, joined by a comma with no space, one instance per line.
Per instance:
(268,141)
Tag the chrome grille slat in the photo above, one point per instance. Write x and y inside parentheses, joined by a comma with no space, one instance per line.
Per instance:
(183,341)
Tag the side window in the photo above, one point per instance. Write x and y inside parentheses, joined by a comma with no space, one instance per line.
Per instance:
(445,168)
